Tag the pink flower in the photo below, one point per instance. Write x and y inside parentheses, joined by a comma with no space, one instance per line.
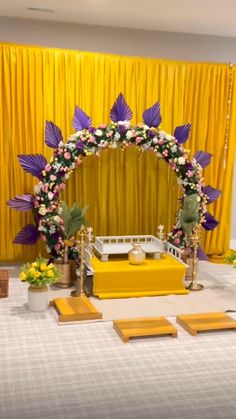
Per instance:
(189,173)
(102,126)
(138,140)
(92,139)
(53,178)
(179,233)
(62,185)
(79,161)
(160,141)
(67,155)
(47,168)
(57,246)
(165,153)
(177,241)
(43,237)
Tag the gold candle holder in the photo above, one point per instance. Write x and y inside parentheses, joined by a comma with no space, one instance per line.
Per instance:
(160,232)
(194,286)
(85,238)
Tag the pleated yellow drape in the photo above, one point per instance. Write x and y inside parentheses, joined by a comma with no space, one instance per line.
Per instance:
(126,193)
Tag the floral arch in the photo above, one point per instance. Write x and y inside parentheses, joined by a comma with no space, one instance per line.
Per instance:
(53,175)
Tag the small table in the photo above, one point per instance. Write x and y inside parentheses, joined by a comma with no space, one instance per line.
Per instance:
(150,326)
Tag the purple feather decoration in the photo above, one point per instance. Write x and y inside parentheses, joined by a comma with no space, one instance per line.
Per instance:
(32,163)
(201,254)
(81,120)
(152,116)
(181,133)
(53,134)
(212,193)
(210,222)
(28,235)
(120,111)
(22,202)
(203,158)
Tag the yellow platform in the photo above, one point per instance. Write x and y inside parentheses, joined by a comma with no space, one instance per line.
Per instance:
(203,322)
(75,309)
(119,279)
(150,326)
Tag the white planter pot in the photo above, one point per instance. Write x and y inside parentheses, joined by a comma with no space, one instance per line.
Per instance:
(38,298)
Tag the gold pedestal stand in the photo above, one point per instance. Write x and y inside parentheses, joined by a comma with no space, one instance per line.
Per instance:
(78,306)
(194,286)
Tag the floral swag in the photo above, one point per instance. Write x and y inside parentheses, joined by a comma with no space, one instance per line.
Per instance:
(87,140)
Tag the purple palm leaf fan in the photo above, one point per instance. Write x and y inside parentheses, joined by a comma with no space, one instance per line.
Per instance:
(28,235)
(32,163)
(212,193)
(22,202)
(53,134)
(120,111)
(203,158)
(210,222)
(181,133)
(81,120)
(152,116)
(201,255)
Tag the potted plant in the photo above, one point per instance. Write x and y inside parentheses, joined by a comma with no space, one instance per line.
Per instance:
(73,219)
(39,275)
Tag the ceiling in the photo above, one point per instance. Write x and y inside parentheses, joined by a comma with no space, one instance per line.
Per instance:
(211,17)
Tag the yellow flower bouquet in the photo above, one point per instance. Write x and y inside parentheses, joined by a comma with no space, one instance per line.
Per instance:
(39,273)
(230,257)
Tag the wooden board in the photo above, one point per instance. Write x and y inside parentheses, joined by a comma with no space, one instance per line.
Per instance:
(149,326)
(202,322)
(4,283)
(74,309)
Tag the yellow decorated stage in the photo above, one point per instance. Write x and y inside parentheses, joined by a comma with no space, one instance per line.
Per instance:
(119,279)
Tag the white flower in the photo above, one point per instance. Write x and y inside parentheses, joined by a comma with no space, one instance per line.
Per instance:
(42,210)
(60,144)
(67,175)
(59,211)
(125,123)
(155,140)
(113,145)
(174,148)
(145,127)
(129,134)
(117,136)
(98,132)
(181,160)
(71,146)
(52,229)
(50,195)
(57,218)
(168,137)
(37,189)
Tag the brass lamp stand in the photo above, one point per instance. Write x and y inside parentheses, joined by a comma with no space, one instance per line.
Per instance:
(85,235)
(194,286)
(78,306)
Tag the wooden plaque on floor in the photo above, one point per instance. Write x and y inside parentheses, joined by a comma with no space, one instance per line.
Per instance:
(75,309)
(203,322)
(149,326)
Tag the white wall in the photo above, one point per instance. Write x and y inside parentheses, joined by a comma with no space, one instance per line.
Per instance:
(125,42)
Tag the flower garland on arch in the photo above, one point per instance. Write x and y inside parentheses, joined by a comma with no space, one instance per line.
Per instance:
(88,140)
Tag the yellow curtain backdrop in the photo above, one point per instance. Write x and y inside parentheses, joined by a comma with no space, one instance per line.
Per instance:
(125,193)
